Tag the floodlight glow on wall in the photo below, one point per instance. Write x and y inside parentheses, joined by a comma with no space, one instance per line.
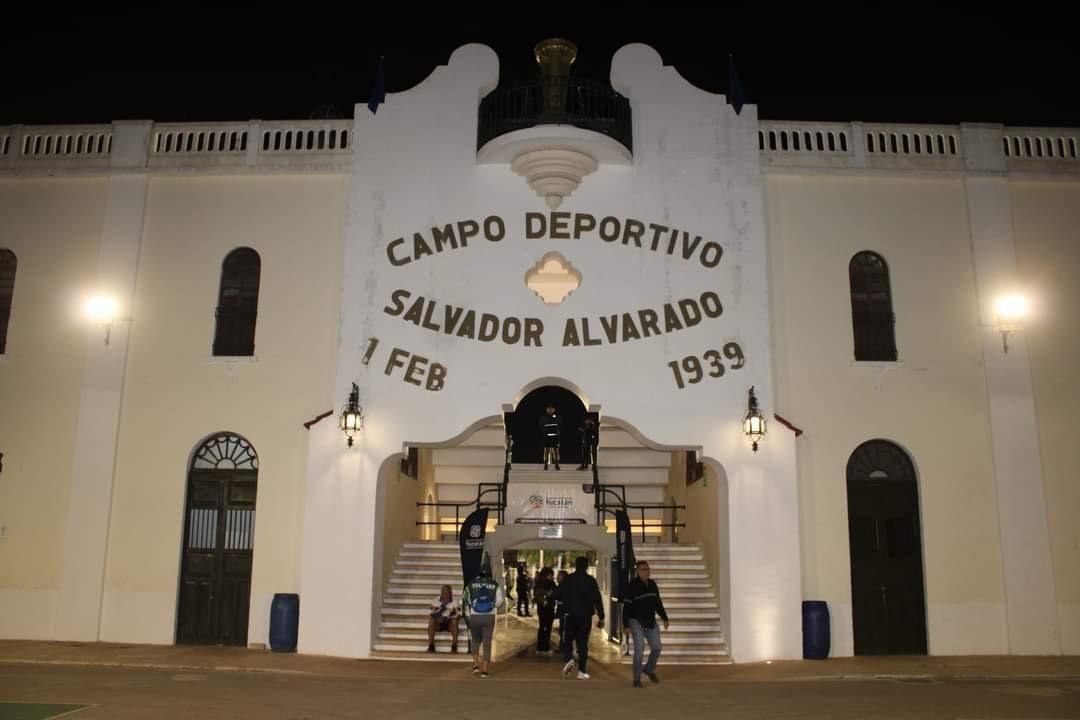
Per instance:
(1010,311)
(102,310)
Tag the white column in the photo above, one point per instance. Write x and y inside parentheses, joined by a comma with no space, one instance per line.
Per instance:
(99,404)
(1030,598)
(766,566)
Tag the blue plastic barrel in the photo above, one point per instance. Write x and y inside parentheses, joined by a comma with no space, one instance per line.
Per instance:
(815,630)
(284,622)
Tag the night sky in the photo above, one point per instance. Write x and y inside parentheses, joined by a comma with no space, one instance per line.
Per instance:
(300,62)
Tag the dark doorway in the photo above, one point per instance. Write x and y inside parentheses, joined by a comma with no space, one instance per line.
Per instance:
(525,425)
(219,533)
(887,595)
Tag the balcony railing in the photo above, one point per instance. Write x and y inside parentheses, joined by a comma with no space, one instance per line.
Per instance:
(589,105)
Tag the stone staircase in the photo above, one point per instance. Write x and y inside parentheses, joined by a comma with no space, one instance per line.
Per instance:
(422,568)
(696,635)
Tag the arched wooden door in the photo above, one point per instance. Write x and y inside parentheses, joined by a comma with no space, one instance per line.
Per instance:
(219,534)
(887,593)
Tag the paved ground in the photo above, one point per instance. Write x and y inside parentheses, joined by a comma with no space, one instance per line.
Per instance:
(180,682)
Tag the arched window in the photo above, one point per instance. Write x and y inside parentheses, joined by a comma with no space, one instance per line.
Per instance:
(7,289)
(238,304)
(872,318)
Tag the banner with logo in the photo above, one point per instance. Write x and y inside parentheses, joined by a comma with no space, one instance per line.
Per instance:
(471,541)
(548,504)
(624,552)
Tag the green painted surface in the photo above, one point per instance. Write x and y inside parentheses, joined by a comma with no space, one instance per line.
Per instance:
(35,711)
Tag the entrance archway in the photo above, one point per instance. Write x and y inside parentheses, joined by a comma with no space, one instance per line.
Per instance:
(219,541)
(419,552)
(525,426)
(887,595)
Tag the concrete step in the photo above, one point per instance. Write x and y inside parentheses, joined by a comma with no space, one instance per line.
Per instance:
(690,627)
(402,611)
(667,594)
(666,548)
(694,615)
(685,585)
(689,659)
(661,560)
(429,555)
(425,564)
(688,605)
(423,590)
(433,546)
(440,571)
(435,581)
(427,579)
(671,639)
(411,600)
(419,625)
(418,651)
(660,577)
(421,637)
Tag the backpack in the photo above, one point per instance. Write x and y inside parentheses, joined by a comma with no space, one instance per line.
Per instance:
(482,598)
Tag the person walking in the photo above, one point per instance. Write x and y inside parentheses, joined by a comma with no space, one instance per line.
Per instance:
(481,599)
(581,597)
(641,604)
(544,597)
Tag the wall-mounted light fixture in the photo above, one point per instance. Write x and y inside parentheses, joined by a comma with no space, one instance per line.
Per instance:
(351,420)
(754,423)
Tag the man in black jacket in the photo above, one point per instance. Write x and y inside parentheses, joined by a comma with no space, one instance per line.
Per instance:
(551,432)
(641,604)
(579,595)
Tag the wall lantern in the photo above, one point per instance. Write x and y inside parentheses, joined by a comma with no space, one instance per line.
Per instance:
(351,421)
(754,423)
(1009,312)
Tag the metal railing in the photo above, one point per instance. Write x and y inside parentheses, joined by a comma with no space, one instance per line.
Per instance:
(609,498)
(589,105)
(483,491)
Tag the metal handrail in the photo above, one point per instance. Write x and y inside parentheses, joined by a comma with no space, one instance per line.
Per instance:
(482,491)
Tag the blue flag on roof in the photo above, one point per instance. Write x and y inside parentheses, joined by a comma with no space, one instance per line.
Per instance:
(735,96)
(377,96)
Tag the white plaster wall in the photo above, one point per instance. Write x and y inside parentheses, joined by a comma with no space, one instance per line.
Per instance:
(695,167)
(934,404)
(1046,219)
(54,228)
(176,395)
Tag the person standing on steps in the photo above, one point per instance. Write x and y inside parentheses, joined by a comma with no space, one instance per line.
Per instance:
(581,596)
(589,439)
(641,604)
(551,432)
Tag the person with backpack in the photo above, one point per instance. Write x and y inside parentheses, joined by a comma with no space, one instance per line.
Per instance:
(544,597)
(482,598)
